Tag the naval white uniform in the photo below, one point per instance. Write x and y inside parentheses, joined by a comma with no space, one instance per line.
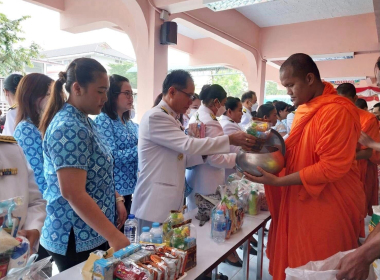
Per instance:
(205,178)
(246,118)
(164,153)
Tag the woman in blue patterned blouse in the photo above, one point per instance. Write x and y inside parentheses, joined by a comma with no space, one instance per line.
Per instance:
(121,135)
(78,168)
(32,95)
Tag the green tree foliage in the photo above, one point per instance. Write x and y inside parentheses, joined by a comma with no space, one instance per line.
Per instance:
(121,69)
(233,82)
(13,56)
(271,89)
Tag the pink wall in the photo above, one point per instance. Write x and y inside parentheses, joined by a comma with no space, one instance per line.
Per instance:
(337,35)
(361,66)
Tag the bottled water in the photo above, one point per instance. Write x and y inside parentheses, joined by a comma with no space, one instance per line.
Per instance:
(156,232)
(131,229)
(219,227)
(146,236)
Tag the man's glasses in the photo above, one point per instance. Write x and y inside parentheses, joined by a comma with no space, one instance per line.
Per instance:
(128,93)
(191,96)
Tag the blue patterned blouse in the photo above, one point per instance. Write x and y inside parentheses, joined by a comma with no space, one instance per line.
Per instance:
(29,138)
(122,139)
(71,141)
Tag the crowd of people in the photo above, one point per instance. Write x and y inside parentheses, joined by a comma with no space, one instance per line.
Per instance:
(82,175)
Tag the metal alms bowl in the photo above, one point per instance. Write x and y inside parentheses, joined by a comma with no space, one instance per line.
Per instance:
(269,158)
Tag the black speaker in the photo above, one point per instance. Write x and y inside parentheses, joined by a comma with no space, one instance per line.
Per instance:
(168,34)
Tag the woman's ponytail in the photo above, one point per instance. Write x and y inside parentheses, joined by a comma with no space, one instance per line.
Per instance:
(56,102)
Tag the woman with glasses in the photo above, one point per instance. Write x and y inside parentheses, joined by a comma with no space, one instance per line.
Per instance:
(120,132)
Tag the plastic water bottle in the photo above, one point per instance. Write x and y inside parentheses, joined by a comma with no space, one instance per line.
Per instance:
(146,236)
(156,233)
(219,227)
(131,229)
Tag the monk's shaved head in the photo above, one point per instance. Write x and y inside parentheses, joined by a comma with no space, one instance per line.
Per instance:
(301,65)
(347,90)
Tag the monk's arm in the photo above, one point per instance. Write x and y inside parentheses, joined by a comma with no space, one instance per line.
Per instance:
(269,179)
(364,154)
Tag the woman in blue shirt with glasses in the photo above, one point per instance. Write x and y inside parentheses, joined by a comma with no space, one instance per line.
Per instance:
(115,124)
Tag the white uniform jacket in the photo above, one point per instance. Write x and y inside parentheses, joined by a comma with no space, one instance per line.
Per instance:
(10,121)
(246,118)
(230,127)
(164,153)
(205,178)
(33,210)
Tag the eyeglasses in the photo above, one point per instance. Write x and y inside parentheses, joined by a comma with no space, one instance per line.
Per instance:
(191,96)
(128,93)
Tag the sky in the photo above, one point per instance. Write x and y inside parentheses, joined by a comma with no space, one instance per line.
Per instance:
(43,28)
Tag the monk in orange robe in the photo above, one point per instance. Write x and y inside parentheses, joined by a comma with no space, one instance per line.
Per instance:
(322,197)
(365,157)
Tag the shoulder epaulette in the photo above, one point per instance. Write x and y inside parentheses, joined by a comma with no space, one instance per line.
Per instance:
(7,139)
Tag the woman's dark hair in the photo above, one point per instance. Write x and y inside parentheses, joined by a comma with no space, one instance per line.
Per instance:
(280,106)
(212,92)
(196,96)
(263,111)
(81,70)
(110,107)
(157,100)
(31,88)
(377,64)
(11,82)
(176,78)
(231,103)
(291,108)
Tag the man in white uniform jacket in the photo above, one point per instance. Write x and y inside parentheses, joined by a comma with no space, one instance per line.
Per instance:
(17,180)
(165,151)
(248,99)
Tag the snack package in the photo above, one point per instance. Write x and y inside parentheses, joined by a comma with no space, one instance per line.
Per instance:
(375,218)
(197,129)
(259,128)
(129,271)
(175,218)
(20,253)
(32,270)
(160,263)
(7,244)
(127,251)
(182,256)
(9,221)
(140,256)
(184,236)
(103,270)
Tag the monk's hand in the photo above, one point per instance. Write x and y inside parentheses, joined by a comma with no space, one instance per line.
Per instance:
(242,139)
(365,140)
(267,178)
(353,266)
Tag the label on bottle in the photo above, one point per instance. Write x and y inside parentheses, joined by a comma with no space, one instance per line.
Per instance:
(221,227)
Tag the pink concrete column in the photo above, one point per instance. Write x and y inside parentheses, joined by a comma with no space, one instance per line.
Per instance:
(152,65)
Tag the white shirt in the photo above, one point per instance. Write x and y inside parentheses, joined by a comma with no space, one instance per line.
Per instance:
(205,178)
(164,153)
(230,127)
(246,118)
(10,121)
(23,184)
(186,120)
(289,121)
